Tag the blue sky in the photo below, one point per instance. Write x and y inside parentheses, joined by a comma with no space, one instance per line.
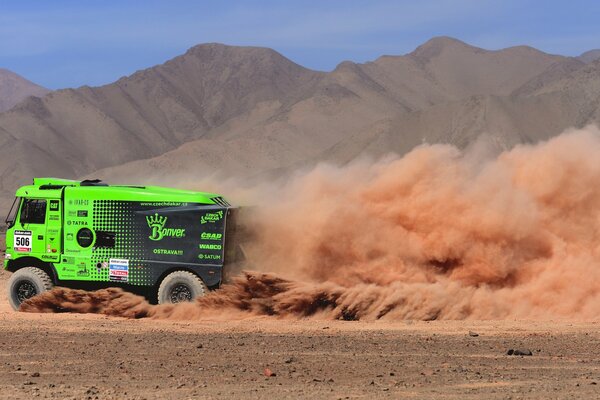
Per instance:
(66,43)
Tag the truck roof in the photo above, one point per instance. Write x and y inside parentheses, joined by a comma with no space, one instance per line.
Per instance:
(96,189)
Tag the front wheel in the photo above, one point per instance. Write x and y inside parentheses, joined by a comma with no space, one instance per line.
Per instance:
(180,286)
(26,283)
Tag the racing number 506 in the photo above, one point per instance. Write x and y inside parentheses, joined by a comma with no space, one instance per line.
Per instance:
(23,241)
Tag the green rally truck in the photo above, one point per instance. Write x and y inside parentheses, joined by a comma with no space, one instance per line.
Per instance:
(170,245)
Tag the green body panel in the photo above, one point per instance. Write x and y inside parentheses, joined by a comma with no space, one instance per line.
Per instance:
(90,231)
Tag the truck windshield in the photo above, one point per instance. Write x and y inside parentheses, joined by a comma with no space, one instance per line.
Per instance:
(10,218)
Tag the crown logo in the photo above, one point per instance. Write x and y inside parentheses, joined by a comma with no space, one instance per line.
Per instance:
(156,223)
(156,220)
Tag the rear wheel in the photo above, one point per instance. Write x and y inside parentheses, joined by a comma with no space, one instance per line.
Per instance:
(26,283)
(180,286)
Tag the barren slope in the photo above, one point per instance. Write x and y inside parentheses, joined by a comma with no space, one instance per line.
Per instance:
(15,88)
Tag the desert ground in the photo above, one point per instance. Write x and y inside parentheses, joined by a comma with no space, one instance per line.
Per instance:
(73,356)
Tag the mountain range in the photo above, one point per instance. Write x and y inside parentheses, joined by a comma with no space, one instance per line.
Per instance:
(250,112)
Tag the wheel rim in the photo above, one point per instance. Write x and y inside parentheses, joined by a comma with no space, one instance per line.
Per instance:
(25,290)
(180,293)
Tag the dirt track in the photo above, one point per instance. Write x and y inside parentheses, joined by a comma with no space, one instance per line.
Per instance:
(90,356)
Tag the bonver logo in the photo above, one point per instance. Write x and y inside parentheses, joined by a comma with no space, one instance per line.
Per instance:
(157,224)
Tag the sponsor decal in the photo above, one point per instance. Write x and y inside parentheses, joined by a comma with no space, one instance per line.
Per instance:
(211,217)
(168,252)
(209,246)
(83,271)
(118,270)
(69,236)
(22,241)
(54,217)
(211,236)
(157,224)
(82,213)
(209,256)
(163,204)
(54,205)
(80,202)
(85,237)
(76,223)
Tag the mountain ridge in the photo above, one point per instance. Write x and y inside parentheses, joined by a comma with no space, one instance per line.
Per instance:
(14,89)
(245,111)
(590,56)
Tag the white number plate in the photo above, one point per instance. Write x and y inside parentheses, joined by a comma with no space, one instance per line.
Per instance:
(22,241)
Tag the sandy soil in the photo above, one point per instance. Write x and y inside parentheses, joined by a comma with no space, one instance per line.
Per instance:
(96,357)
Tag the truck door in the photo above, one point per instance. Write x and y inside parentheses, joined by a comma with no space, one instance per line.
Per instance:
(38,230)
(30,229)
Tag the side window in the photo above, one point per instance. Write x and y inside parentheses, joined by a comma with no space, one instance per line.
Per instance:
(33,211)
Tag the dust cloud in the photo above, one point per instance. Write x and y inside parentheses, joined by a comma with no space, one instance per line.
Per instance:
(436,234)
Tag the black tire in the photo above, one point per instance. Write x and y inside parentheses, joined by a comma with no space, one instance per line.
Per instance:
(180,286)
(25,283)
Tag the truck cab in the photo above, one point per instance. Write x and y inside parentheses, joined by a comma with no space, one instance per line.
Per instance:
(34,225)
